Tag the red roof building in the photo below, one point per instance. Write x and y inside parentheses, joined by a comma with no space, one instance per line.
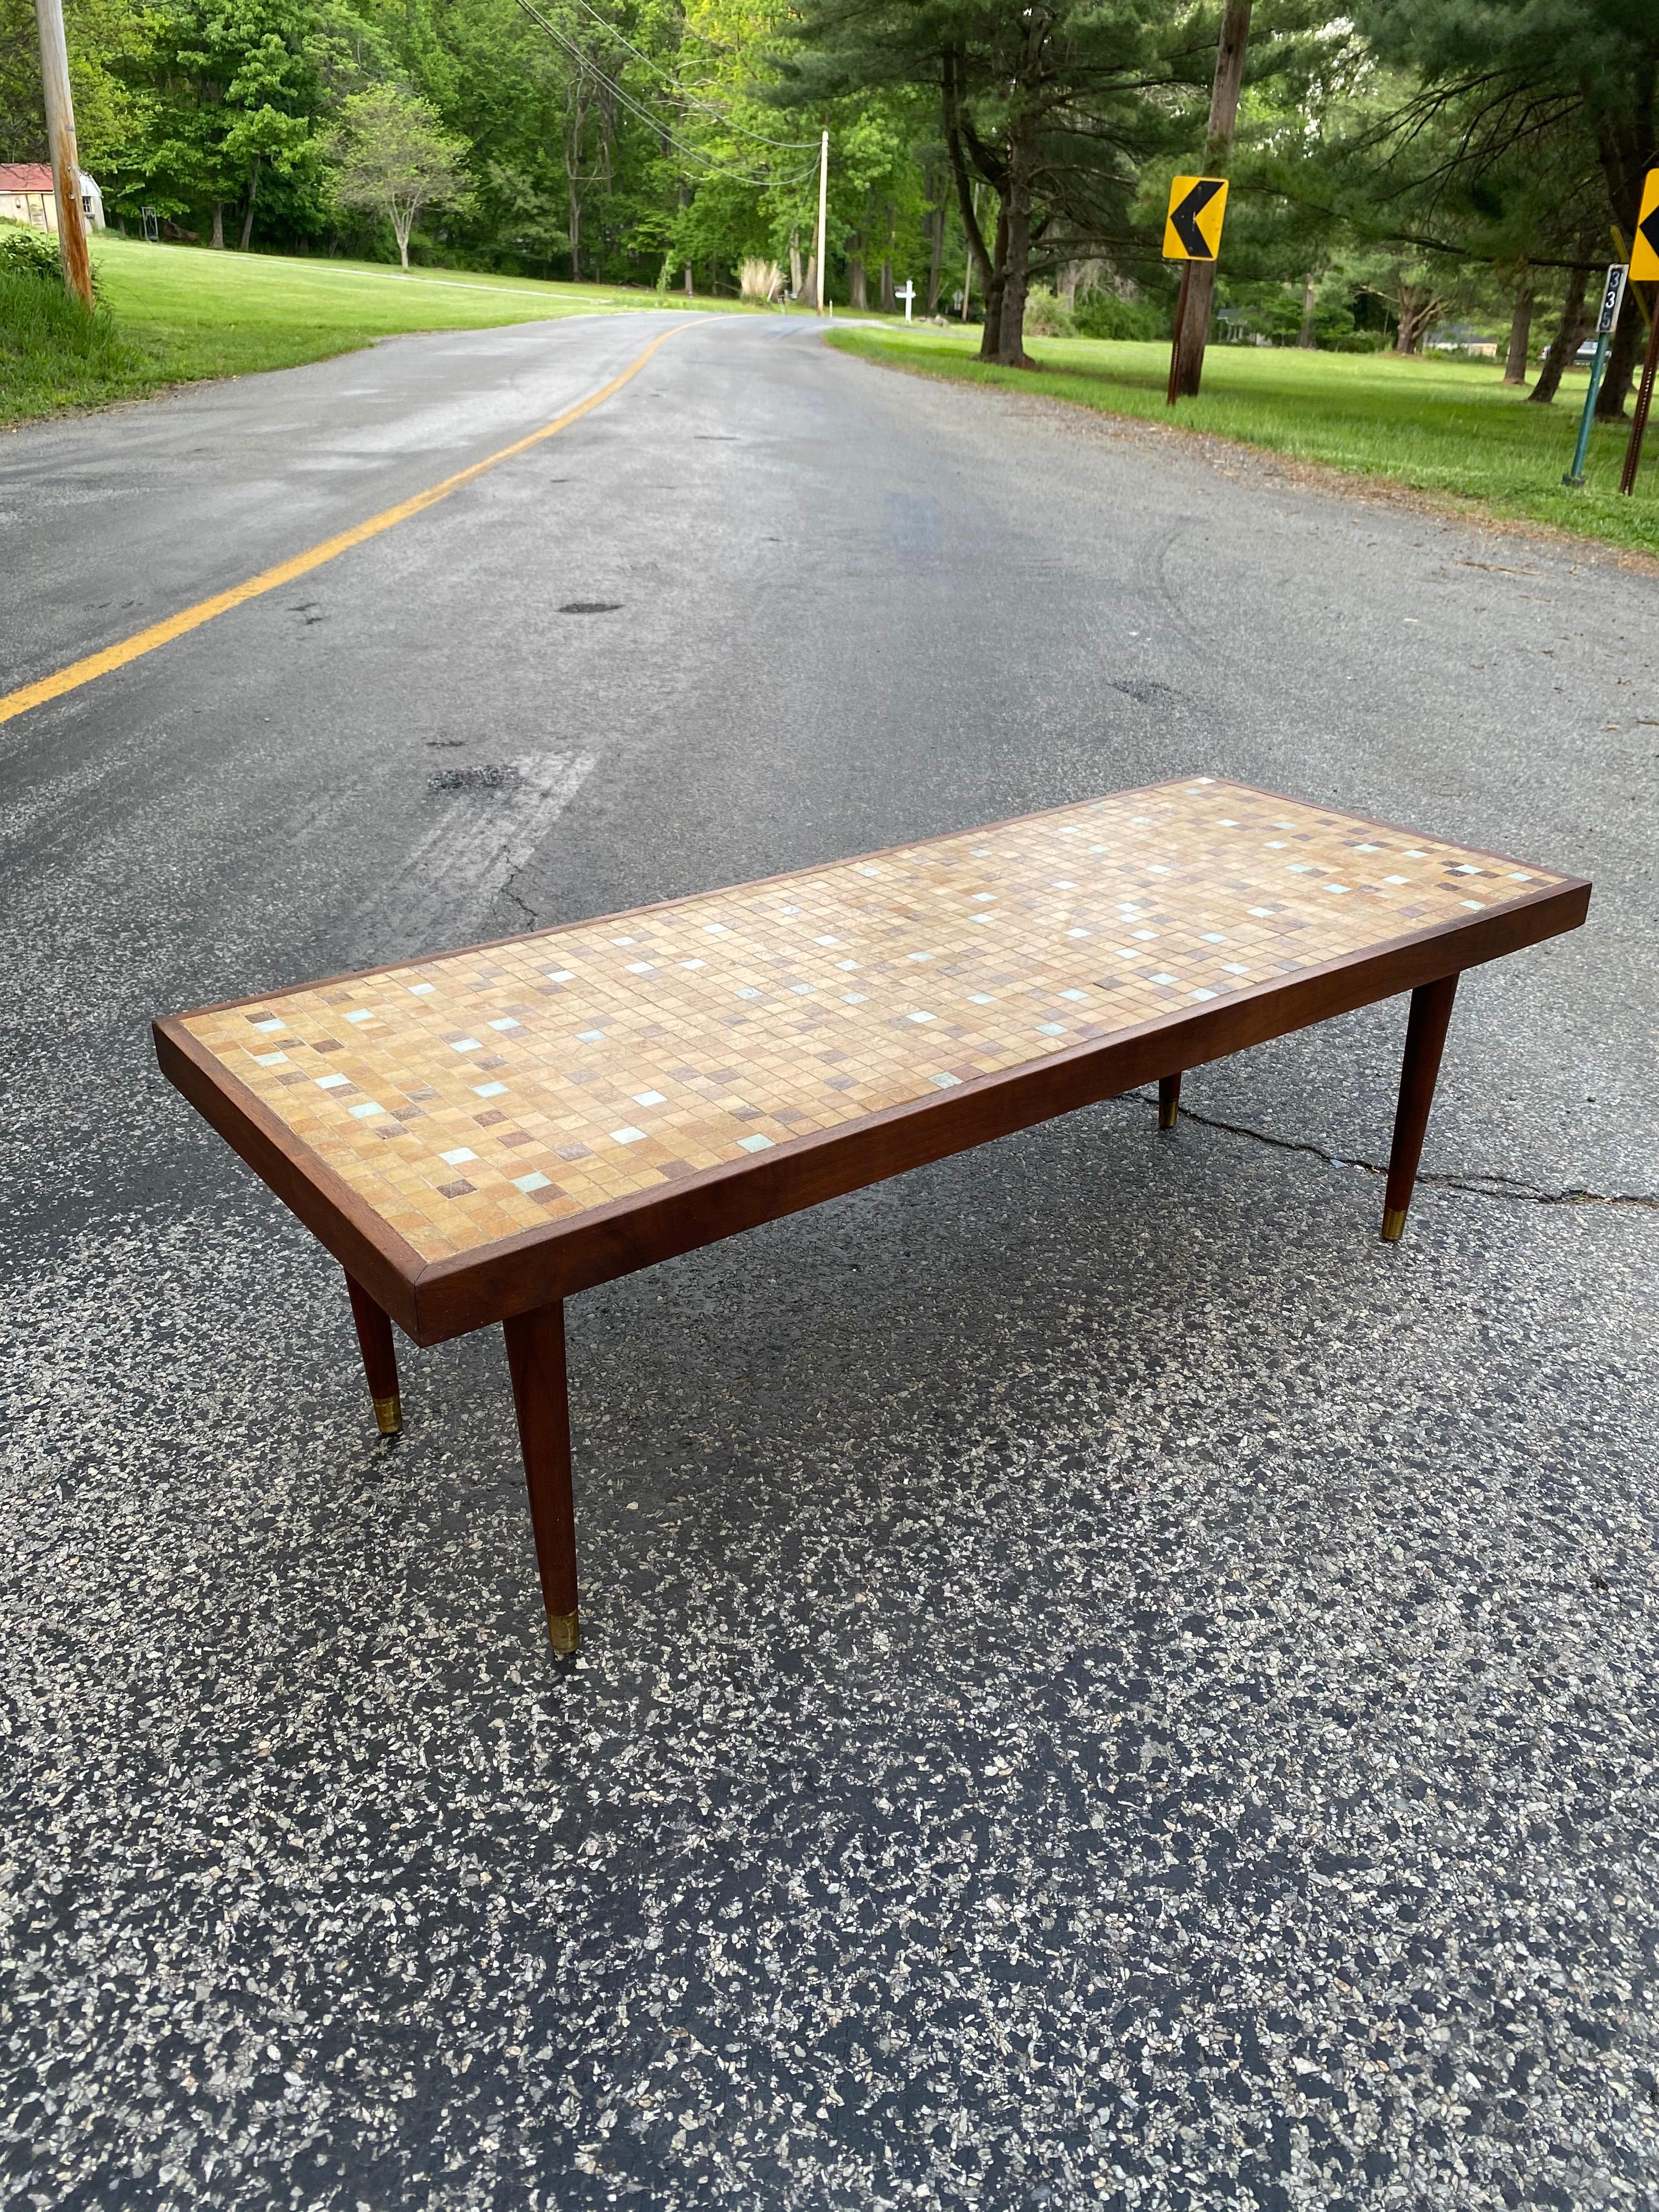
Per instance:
(26,196)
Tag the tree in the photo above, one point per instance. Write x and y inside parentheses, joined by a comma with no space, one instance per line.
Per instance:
(394,158)
(1056,105)
(101,34)
(225,98)
(1523,66)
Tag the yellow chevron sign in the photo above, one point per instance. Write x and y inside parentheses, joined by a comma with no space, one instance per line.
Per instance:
(1644,247)
(1192,229)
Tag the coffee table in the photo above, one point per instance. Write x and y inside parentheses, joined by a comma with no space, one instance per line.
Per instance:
(476,1135)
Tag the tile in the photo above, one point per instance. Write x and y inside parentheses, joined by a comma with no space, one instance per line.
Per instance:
(726,1023)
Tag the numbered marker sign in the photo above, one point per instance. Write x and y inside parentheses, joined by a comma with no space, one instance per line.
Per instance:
(1613,295)
(1192,229)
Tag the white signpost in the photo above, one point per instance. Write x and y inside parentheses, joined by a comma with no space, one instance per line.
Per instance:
(906,292)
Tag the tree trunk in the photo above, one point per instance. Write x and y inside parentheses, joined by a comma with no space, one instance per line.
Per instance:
(1417,309)
(796,278)
(889,295)
(218,237)
(1304,337)
(857,292)
(575,127)
(1569,333)
(978,256)
(252,195)
(1016,279)
(690,292)
(1194,333)
(936,262)
(1515,361)
(990,337)
(1622,357)
(1014,250)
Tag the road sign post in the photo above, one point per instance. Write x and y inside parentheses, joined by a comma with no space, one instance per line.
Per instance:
(1644,268)
(1192,234)
(1613,294)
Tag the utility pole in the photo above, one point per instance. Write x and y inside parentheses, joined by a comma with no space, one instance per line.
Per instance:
(65,164)
(823,207)
(1198,283)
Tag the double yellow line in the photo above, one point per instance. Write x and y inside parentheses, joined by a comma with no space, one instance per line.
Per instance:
(271,580)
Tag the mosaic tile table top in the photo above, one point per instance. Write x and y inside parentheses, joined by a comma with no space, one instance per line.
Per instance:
(472,1097)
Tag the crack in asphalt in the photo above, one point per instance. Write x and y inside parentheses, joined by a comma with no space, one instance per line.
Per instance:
(1475,1185)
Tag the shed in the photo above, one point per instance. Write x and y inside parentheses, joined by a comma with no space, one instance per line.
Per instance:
(26,196)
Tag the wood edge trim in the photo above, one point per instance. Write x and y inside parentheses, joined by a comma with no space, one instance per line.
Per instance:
(467,1291)
(386,1265)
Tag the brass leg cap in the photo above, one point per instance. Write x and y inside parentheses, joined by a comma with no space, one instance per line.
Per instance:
(389,1415)
(1394,1225)
(564,1632)
(1168,1116)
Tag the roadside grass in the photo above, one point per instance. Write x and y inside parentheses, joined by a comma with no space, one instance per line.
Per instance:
(1452,428)
(52,350)
(176,313)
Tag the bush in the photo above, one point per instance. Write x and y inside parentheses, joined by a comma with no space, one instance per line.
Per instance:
(1047,316)
(25,252)
(1104,315)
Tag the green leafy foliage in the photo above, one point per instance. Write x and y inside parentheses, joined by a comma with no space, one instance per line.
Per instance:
(28,252)
(392,158)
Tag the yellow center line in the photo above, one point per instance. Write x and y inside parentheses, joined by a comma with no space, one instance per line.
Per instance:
(269,580)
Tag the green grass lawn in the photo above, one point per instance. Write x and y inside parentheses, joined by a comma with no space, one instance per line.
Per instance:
(177,313)
(1449,427)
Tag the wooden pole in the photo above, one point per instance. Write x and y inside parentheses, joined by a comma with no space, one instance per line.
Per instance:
(65,163)
(1193,329)
(1644,401)
(823,204)
(1173,392)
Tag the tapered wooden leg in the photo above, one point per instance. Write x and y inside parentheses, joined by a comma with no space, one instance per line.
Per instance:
(1426,1039)
(1169,1101)
(380,1359)
(535,1355)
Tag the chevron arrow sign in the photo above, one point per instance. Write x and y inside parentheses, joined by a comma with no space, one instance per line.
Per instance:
(1644,252)
(1192,229)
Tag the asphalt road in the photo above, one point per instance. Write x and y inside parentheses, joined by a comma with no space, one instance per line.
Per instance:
(1105,1684)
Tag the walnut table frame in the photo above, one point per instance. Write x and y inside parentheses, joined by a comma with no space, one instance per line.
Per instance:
(476,1135)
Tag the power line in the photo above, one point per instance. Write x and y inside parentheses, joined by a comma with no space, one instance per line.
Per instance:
(787,145)
(653,122)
